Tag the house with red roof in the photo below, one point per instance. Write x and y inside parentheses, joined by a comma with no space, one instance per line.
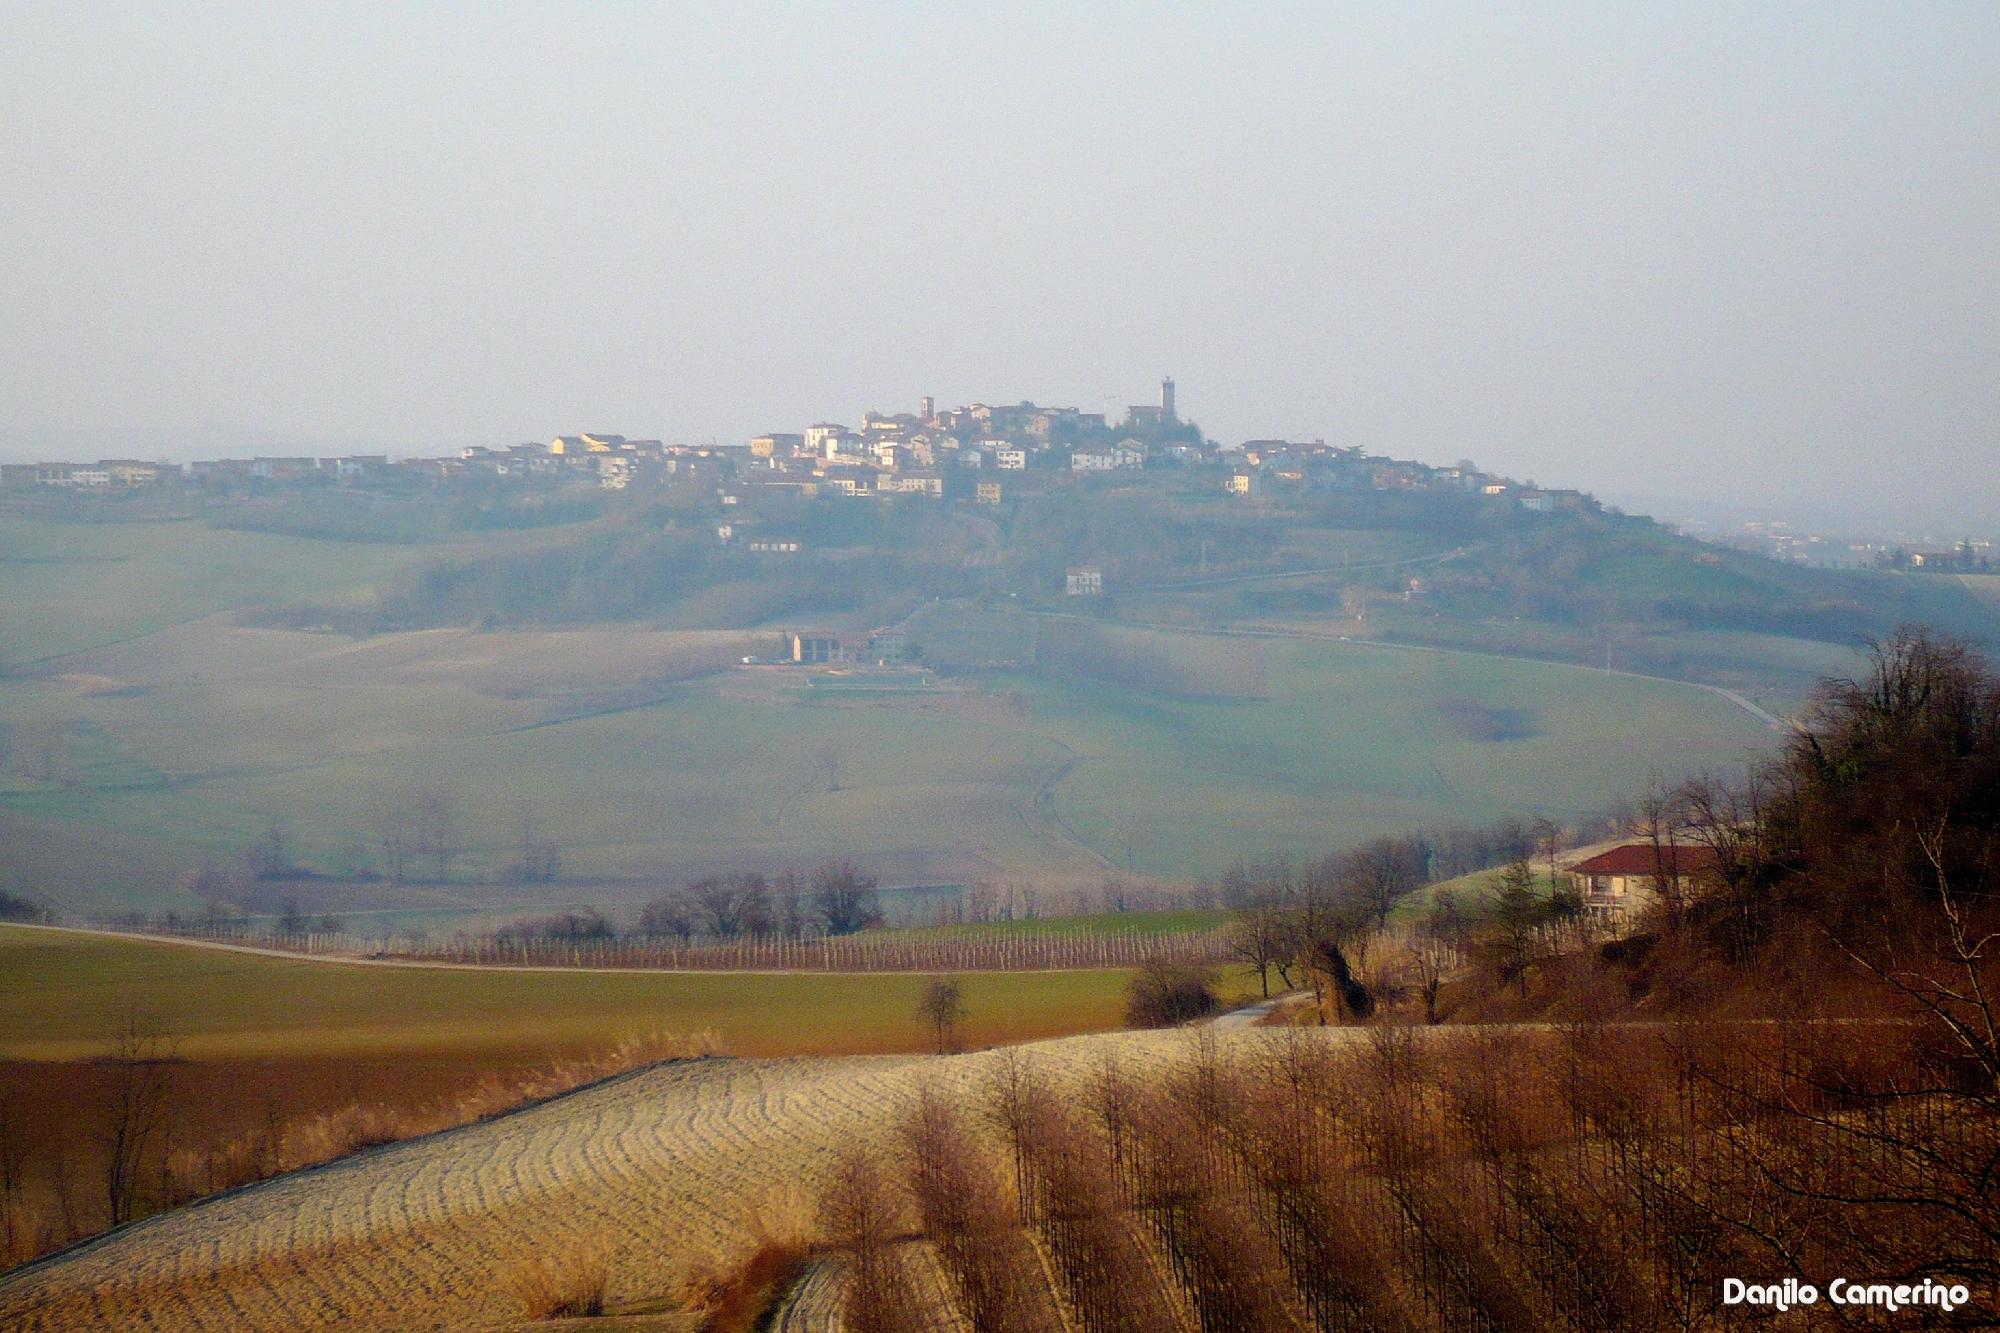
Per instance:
(1618,882)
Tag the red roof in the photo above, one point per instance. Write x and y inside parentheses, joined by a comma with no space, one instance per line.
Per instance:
(1642,858)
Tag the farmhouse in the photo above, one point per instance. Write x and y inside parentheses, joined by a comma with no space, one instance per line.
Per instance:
(1085,581)
(887,645)
(811,647)
(1618,882)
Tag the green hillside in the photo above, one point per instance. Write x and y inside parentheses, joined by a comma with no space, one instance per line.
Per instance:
(1291,698)
(66,587)
(67,993)
(1011,773)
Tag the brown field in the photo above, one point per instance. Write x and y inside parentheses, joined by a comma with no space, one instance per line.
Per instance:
(228,1122)
(1583,1176)
(665,1176)
(269,1064)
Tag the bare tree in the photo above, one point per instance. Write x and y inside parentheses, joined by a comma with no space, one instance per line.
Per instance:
(393,828)
(1164,994)
(829,756)
(1548,835)
(1379,872)
(220,888)
(135,1111)
(859,1216)
(845,898)
(941,1008)
(536,856)
(1660,809)
(434,827)
(1728,821)
(981,900)
(790,913)
(673,914)
(756,913)
(1257,938)
(13,1158)
(715,897)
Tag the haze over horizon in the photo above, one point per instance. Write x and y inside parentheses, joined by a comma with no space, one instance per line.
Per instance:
(1735,257)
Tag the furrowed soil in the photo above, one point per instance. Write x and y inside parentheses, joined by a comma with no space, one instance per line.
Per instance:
(654,1175)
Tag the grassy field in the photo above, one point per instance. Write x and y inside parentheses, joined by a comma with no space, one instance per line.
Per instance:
(188,748)
(67,993)
(1986,587)
(1776,672)
(1355,739)
(156,736)
(279,1063)
(72,586)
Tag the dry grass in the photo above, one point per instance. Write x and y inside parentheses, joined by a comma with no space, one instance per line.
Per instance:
(736,1279)
(565,1286)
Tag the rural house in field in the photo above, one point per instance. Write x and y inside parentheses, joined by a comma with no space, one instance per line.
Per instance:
(1618,882)
(887,645)
(813,648)
(1084,581)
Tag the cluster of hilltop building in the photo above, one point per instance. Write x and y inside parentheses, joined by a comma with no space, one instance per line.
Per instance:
(932,452)
(977,452)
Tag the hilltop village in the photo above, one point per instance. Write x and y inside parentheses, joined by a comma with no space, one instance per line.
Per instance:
(980,453)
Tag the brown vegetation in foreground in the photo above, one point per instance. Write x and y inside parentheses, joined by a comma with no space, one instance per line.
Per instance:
(1592,1174)
(563,1286)
(89,1144)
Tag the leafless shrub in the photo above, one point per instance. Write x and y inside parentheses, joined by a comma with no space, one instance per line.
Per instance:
(561,1287)
(996,1278)
(1107,1279)
(859,1218)
(941,1009)
(1186,1190)
(1165,994)
(135,1115)
(14,1224)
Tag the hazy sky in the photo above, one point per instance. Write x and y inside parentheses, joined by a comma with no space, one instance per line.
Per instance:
(1676,251)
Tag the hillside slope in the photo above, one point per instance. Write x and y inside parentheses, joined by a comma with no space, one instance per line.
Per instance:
(644,1172)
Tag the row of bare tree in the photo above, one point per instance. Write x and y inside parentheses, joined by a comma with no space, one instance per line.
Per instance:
(1592,1177)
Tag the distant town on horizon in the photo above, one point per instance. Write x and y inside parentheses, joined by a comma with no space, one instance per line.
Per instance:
(979,452)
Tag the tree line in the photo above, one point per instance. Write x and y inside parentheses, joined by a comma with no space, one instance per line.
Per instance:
(834,899)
